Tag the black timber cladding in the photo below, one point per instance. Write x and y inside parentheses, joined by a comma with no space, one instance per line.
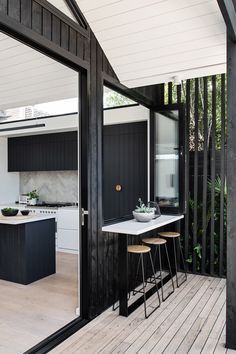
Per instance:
(43,152)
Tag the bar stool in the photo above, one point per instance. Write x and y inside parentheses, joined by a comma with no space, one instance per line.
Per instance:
(158,243)
(141,250)
(174,236)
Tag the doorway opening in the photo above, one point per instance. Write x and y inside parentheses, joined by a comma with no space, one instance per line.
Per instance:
(39,125)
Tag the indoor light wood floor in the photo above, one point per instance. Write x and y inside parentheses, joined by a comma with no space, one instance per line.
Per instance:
(192,320)
(30,313)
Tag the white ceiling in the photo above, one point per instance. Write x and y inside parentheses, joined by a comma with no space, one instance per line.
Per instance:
(28,77)
(150,41)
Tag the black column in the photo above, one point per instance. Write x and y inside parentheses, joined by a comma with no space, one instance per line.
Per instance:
(231,198)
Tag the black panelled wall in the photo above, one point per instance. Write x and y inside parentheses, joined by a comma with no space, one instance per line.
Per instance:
(124,164)
(44,152)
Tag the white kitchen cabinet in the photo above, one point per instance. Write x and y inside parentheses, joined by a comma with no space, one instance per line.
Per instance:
(67,230)
(67,239)
(68,219)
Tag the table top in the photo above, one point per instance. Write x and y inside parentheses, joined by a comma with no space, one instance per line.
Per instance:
(20,219)
(133,227)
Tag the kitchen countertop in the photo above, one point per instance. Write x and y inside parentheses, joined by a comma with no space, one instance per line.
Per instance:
(133,227)
(25,206)
(20,219)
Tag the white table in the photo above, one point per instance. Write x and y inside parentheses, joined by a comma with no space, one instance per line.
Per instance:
(124,229)
(133,227)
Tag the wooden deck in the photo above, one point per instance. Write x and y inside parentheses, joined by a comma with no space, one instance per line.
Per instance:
(192,320)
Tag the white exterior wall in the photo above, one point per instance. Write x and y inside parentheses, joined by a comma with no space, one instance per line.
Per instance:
(9,182)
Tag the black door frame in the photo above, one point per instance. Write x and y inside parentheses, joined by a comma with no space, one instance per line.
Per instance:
(59,336)
(180,107)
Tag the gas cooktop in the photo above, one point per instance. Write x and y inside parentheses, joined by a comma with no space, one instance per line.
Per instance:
(51,205)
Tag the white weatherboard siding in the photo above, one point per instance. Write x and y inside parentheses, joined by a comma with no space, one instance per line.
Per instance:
(28,77)
(52,125)
(126,115)
(9,182)
(151,41)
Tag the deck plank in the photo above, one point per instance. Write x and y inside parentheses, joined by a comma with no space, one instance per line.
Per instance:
(192,320)
(208,325)
(156,343)
(196,328)
(214,336)
(185,327)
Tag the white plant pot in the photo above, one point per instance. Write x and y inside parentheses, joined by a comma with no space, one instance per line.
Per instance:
(143,217)
(33,201)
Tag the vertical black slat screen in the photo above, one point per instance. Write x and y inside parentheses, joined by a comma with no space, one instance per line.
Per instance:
(205,214)
(186,229)
(195,193)
(222,266)
(213,176)
(179,91)
(204,180)
(170,92)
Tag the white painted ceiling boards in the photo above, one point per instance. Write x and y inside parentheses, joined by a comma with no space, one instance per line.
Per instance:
(28,77)
(150,41)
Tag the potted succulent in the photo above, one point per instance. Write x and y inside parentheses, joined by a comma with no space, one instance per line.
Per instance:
(143,213)
(33,197)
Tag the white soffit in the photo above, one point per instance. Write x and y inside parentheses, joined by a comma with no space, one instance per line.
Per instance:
(63,7)
(150,41)
(28,77)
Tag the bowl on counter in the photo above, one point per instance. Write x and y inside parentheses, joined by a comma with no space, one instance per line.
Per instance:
(25,212)
(9,212)
(143,217)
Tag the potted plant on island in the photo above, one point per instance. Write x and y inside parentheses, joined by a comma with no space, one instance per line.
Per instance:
(33,197)
(143,213)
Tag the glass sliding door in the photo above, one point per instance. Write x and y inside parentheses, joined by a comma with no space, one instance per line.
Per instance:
(168,154)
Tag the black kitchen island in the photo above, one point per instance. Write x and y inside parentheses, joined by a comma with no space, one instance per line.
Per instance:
(27,248)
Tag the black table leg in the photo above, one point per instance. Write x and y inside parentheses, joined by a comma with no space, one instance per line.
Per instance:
(123,274)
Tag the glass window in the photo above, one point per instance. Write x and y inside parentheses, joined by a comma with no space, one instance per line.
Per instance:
(114,99)
(166,155)
(40,110)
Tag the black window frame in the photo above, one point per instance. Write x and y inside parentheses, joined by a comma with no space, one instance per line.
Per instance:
(180,107)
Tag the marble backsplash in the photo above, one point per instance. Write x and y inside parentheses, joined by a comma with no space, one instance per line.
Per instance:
(52,186)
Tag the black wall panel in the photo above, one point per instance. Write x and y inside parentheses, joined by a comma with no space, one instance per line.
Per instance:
(47,152)
(124,163)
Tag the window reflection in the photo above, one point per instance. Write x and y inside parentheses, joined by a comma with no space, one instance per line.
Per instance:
(166,186)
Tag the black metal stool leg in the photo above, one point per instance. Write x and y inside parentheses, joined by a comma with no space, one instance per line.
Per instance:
(144,292)
(184,265)
(176,267)
(170,271)
(153,269)
(136,276)
(160,263)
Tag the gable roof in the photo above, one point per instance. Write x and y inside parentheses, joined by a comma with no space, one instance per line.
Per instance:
(151,41)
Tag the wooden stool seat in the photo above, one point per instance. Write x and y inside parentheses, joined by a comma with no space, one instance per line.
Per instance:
(154,241)
(138,249)
(170,234)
